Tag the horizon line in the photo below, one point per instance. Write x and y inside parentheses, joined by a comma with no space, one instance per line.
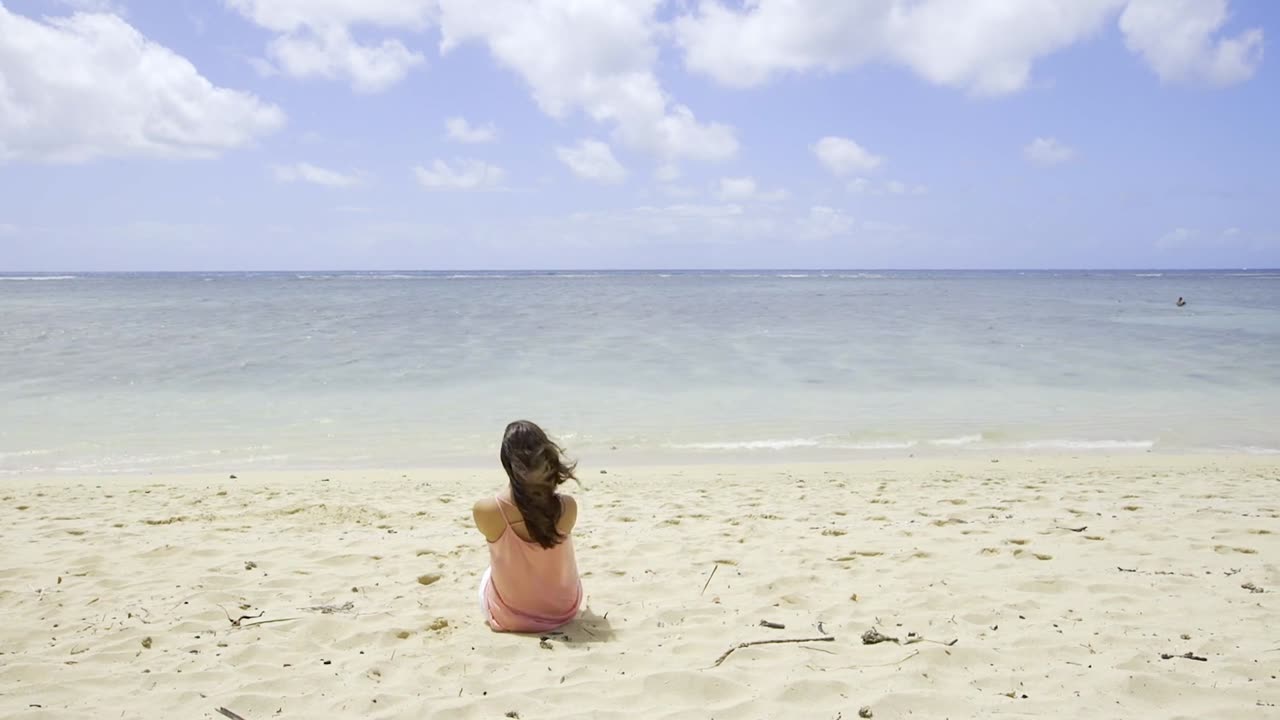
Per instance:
(645,270)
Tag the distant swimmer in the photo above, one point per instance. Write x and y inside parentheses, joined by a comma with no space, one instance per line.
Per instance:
(1181,302)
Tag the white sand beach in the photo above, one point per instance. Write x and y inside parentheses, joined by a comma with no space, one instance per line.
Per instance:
(352,594)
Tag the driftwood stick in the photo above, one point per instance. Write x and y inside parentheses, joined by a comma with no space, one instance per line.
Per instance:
(889,664)
(227,713)
(739,646)
(713,574)
(268,622)
(1082,528)
(242,618)
(772,625)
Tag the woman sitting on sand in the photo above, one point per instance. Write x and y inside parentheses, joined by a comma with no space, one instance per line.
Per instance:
(532,582)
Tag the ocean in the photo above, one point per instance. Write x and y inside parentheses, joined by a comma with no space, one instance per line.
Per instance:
(227,372)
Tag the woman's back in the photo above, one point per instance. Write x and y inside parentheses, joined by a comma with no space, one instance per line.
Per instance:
(532,583)
(530,588)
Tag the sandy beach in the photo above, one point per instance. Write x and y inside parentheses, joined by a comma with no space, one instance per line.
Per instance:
(1037,587)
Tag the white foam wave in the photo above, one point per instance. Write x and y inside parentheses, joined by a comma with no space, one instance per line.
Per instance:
(1253,449)
(39,277)
(1066,444)
(786,444)
(23,453)
(885,445)
(1149,275)
(791,275)
(958,441)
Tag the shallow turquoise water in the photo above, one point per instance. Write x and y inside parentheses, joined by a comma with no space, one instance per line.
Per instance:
(212,371)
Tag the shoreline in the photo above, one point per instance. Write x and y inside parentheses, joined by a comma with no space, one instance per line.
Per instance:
(591,464)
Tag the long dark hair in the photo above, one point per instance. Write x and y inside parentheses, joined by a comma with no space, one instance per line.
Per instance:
(536,466)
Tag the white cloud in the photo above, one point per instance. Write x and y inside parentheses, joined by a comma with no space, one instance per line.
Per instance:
(314,37)
(593,56)
(843,156)
(983,47)
(741,188)
(462,131)
(667,172)
(592,160)
(90,85)
(101,6)
(306,172)
(1175,37)
(825,222)
(1047,152)
(744,188)
(8,229)
(1231,232)
(464,174)
(1176,238)
(863,186)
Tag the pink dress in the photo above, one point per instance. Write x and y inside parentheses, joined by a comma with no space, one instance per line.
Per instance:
(529,588)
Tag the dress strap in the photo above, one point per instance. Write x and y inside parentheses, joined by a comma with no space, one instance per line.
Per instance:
(500,510)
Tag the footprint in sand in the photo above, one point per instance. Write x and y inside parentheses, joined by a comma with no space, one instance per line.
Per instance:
(989,551)
(1017,541)
(1229,549)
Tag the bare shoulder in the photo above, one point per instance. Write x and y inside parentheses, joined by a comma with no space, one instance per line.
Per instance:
(488,518)
(485,506)
(569,517)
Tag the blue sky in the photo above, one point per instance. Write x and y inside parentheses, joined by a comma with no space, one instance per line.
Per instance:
(315,134)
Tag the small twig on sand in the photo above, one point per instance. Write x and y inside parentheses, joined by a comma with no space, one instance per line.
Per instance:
(227,713)
(1134,570)
(1082,528)
(347,606)
(713,574)
(821,650)
(889,664)
(268,622)
(739,646)
(1187,655)
(242,618)
(772,625)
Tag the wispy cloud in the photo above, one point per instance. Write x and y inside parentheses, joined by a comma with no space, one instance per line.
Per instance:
(459,130)
(463,174)
(308,173)
(1047,152)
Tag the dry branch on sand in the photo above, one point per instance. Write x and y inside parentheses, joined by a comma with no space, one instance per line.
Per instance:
(739,646)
